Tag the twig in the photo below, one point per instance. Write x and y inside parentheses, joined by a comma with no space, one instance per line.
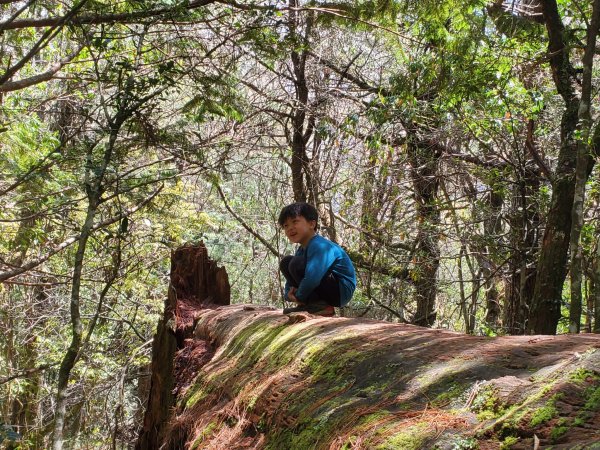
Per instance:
(27,372)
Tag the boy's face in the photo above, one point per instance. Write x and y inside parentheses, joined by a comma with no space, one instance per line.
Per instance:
(299,230)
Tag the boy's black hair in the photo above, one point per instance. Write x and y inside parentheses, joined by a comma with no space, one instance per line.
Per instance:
(309,212)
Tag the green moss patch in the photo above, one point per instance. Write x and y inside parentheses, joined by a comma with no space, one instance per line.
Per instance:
(581,375)
(593,399)
(411,438)
(546,412)
(487,405)
(508,442)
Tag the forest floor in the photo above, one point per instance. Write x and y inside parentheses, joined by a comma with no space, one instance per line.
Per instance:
(254,378)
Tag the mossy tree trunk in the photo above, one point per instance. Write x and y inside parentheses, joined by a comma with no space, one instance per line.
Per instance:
(306,382)
(552,265)
(581,171)
(423,159)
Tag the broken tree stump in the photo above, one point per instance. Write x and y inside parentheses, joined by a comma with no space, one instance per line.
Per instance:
(196,283)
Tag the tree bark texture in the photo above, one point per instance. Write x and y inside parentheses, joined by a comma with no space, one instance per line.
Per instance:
(300,133)
(196,283)
(546,306)
(595,290)
(68,361)
(545,309)
(583,152)
(307,382)
(423,159)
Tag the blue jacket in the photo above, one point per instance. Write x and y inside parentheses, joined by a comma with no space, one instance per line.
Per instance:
(322,257)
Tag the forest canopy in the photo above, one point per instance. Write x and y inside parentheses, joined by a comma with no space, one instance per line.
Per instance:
(449,146)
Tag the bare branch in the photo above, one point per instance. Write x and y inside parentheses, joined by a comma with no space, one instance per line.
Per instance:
(40,78)
(27,372)
(96,19)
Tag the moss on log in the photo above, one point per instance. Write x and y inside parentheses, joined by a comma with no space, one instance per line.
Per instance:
(305,382)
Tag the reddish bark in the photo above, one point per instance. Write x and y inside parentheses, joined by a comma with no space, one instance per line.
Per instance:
(196,283)
(301,381)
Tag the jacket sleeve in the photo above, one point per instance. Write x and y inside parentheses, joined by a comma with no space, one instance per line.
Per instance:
(319,259)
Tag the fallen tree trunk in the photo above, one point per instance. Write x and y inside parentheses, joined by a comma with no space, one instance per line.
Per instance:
(304,382)
(247,376)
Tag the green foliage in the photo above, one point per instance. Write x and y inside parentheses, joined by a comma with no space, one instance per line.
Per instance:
(206,96)
(354,14)
(465,443)
(508,442)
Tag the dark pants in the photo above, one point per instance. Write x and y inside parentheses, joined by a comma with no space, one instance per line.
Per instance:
(328,291)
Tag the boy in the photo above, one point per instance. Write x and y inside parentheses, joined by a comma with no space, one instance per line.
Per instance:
(320,275)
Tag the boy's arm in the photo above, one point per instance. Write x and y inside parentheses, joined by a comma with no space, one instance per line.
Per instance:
(319,259)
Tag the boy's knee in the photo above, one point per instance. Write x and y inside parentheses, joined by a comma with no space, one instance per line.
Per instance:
(284,264)
(297,266)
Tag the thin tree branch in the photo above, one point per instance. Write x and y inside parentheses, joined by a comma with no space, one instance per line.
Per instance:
(244,224)
(27,372)
(96,19)
(40,78)
(17,14)
(42,42)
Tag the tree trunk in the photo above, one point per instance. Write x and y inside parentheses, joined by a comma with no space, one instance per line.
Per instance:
(423,160)
(368,209)
(583,150)
(300,136)
(26,404)
(301,382)
(595,291)
(70,357)
(545,309)
(590,306)
(94,180)
(492,227)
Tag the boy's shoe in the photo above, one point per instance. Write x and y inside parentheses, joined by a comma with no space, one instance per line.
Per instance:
(318,309)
